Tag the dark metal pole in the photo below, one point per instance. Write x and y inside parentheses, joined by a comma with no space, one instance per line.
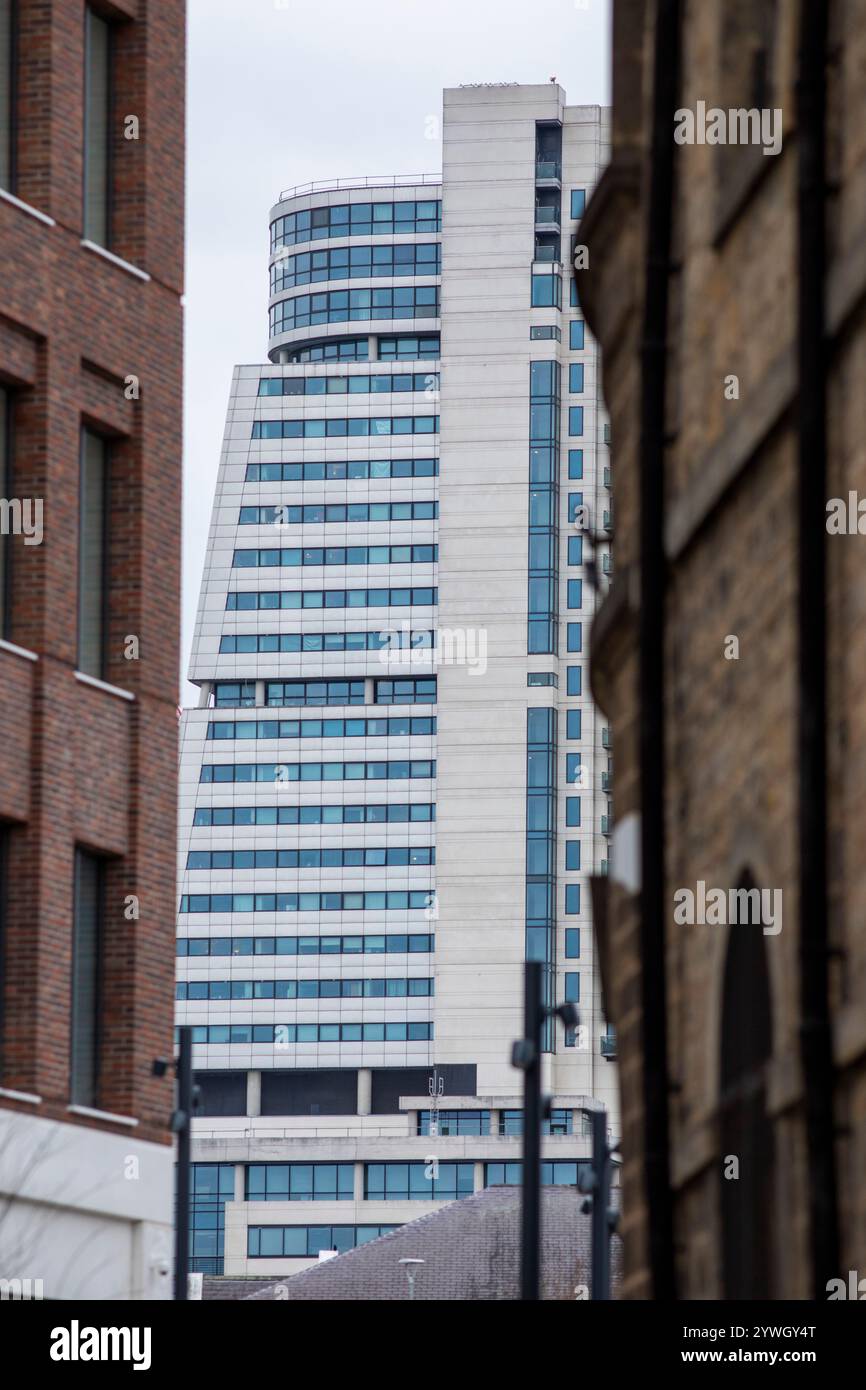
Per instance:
(531,1200)
(816,1045)
(600,1207)
(651,624)
(182,1126)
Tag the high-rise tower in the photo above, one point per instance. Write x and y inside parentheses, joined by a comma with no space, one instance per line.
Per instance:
(394,789)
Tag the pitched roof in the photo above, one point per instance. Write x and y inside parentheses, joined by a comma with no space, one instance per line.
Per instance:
(470,1249)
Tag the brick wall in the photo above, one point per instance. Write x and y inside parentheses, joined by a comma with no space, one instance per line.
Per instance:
(80,765)
(731,533)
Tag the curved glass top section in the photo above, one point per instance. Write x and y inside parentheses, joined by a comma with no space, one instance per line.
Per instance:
(355,262)
(380,218)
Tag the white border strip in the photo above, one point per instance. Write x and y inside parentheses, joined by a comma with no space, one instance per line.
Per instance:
(18,651)
(103,685)
(115,260)
(27,207)
(102,1115)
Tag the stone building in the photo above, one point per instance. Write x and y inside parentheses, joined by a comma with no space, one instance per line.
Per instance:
(729,652)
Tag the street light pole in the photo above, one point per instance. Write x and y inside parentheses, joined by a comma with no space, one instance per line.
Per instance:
(526,1055)
(181,1123)
(411,1267)
(604,1218)
(600,1207)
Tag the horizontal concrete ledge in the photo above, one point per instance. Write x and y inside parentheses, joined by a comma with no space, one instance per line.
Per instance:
(115,260)
(495,1102)
(18,651)
(106,1115)
(27,207)
(103,685)
(26,1097)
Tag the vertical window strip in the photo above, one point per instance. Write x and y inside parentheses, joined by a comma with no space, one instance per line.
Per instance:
(4,903)
(86,979)
(543,598)
(97,129)
(8,54)
(92,501)
(541,850)
(6,551)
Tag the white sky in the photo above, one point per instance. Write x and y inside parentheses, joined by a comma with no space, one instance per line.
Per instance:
(284,91)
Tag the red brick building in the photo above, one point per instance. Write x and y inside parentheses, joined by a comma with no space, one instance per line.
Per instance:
(91,222)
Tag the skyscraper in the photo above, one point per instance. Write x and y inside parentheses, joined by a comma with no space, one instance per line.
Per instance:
(394,790)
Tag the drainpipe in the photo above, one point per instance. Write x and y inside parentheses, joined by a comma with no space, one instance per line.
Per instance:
(666,62)
(816,1042)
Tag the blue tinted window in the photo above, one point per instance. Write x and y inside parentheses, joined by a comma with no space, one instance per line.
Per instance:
(572,941)
(572,899)
(546,291)
(576,330)
(578,202)
(575,421)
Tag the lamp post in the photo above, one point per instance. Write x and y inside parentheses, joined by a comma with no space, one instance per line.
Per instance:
(411,1268)
(181,1125)
(526,1056)
(604,1218)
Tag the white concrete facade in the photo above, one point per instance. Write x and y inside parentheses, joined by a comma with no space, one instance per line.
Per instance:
(85,1214)
(289,953)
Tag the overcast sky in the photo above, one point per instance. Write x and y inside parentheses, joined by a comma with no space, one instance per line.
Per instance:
(283,91)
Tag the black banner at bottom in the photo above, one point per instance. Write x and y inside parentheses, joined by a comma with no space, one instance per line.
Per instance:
(218,1337)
